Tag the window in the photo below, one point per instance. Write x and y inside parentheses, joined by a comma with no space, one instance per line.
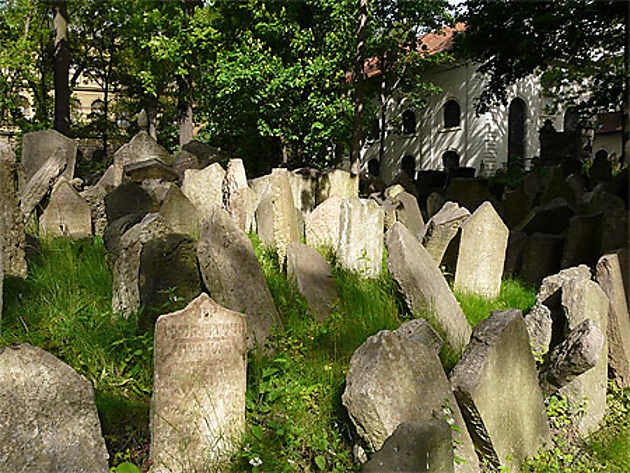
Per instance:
(601,155)
(451,114)
(570,120)
(97,106)
(450,160)
(516,130)
(76,110)
(409,122)
(408,166)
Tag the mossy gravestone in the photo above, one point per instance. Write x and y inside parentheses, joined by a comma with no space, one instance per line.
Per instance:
(198,405)
(11,220)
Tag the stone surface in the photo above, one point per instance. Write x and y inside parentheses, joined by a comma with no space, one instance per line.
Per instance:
(435,201)
(153,168)
(48,419)
(541,257)
(311,274)
(469,192)
(233,276)
(180,214)
(539,329)
(13,239)
(128,198)
(408,213)
(515,207)
(322,224)
(205,153)
(393,379)
(583,241)
(550,218)
(514,253)
(39,146)
(609,277)
(184,160)
(141,148)
(111,178)
(614,230)
(114,231)
(481,254)
(577,354)
(496,387)
(198,405)
(242,208)
(552,284)
(67,214)
(361,237)
(235,178)
(204,188)
(95,198)
(337,182)
(415,447)
(157,190)
(126,271)
(442,228)
(304,183)
(41,183)
(424,287)
(421,331)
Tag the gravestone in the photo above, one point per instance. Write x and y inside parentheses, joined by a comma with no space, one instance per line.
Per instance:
(157,190)
(67,214)
(481,254)
(583,241)
(408,213)
(11,220)
(539,328)
(180,214)
(242,208)
(41,182)
(234,179)
(48,418)
(393,191)
(204,188)
(142,147)
(153,168)
(337,182)
(614,230)
(420,330)
(514,252)
(233,276)
(609,277)
(515,207)
(469,192)
(184,160)
(304,184)
(496,386)
(361,237)
(442,228)
(551,218)
(95,198)
(205,153)
(111,178)
(424,287)
(198,405)
(114,231)
(128,198)
(39,146)
(313,278)
(392,380)
(541,257)
(435,201)
(322,224)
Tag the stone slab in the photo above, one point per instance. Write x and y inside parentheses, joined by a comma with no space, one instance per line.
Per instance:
(67,214)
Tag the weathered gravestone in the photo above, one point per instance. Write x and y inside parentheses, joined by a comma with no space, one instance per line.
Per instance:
(539,328)
(48,419)
(242,208)
(442,228)
(11,220)
(469,192)
(515,207)
(128,198)
(157,190)
(583,241)
(541,257)
(39,146)
(198,405)
(337,182)
(482,253)
(424,287)
(552,218)
(67,214)
(204,188)
(407,212)
(153,168)
(393,379)
(304,184)
(614,230)
(496,386)
(361,236)
(514,252)
(609,277)
(322,224)
(41,182)
(235,178)
(180,214)
(233,276)
(95,198)
(142,147)
(312,276)
(435,201)
(115,231)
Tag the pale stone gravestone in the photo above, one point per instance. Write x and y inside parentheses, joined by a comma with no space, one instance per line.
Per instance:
(496,386)
(424,287)
(67,214)
(235,178)
(482,253)
(539,328)
(608,275)
(111,178)
(393,191)
(442,228)
(304,184)
(40,183)
(126,271)
(128,198)
(141,148)
(95,198)
(242,208)
(39,146)
(313,278)
(393,379)
(337,182)
(407,212)
(11,220)
(48,419)
(180,214)
(198,405)
(322,224)
(233,276)
(361,229)
(204,188)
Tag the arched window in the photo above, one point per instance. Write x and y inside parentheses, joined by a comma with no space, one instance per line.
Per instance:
(570,120)
(76,109)
(97,106)
(601,155)
(516,129)
(408,166)
(450,160)
(409,122)
(451,114)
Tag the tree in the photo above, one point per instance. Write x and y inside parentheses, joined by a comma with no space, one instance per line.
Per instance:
(62,67)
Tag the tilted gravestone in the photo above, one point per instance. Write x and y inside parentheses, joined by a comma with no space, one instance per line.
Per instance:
(48,418)
(233,276)
(394,379)
(442,228)
(481,254)
(337,182)
(39,146)
(180,214)
(153,168)
(115,231)
(322,224)
(198,405)
(609,277)
(204,188)
(361,229)
(67,214)
(496,386)
(406,211)
(552,218)
(140,148)
(313,278)
(424,287)
(95,198)
(41,182)
(541,257)
(11,220)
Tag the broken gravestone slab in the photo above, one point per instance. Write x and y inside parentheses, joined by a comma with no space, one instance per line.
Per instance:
(361,227)
(496,386)
(481,254)
(198,405)
(304,184)
(235,178)
(442,228)
(322,224)
(405,209)
(142,147)
(48,419)
(337,182)
(233,276)
(95,198)
(11,220)
(180,214)
(393,379)
(67,214)
(153,168)
(204,188)
(424,287)
(39,146)
(539,329)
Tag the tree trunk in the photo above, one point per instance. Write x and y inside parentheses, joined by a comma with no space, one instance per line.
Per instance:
(62,68)
(625,108)
(359,89)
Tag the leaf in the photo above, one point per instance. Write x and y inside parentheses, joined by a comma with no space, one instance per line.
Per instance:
(320,461)
(257,432)
(127,467)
